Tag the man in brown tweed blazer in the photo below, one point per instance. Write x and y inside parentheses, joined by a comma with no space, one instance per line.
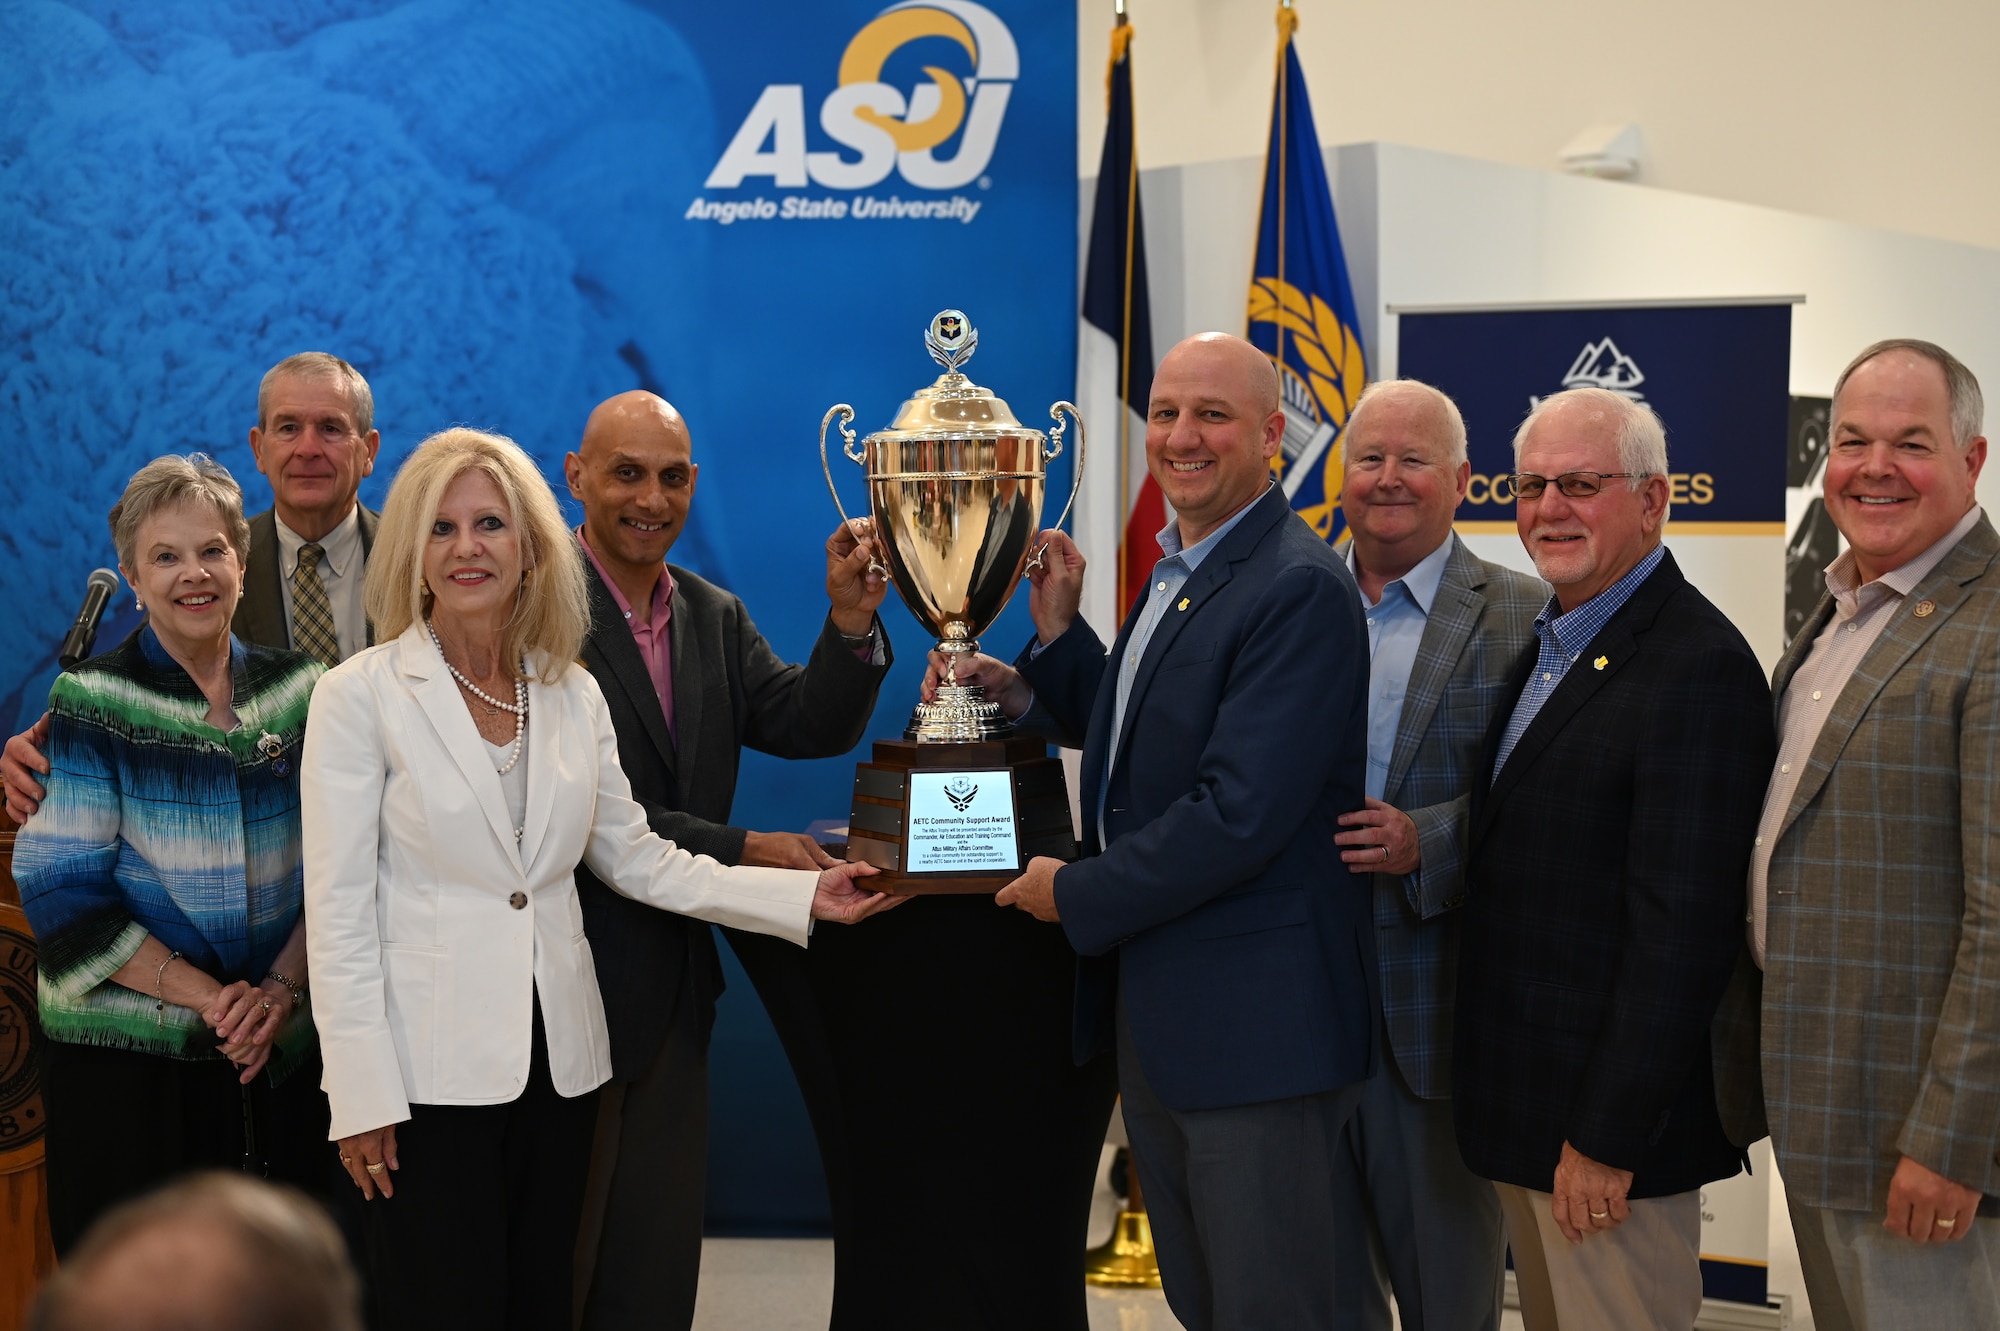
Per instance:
(1871,980)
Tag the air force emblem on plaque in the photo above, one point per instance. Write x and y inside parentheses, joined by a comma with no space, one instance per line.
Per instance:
(951,338)
(961,792)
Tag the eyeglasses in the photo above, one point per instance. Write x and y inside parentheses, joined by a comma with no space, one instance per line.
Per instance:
(1573,484)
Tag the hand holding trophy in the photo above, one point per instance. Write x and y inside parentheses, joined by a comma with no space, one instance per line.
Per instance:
(956,485)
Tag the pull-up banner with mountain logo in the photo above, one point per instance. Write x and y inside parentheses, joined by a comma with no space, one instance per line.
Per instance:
(1718,376)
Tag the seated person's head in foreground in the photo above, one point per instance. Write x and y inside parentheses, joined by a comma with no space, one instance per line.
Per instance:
(217,1252)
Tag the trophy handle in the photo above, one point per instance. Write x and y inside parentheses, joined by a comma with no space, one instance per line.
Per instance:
(854,454)
(1050,452)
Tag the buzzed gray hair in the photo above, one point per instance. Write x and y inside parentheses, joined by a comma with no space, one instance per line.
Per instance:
(173,480)
(1961,389)
(320,365)
(1642,439)
(1454,420)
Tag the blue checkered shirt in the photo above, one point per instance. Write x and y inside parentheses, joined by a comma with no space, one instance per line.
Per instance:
(1563,639)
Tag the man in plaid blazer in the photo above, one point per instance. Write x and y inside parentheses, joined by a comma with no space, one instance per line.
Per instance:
(1874,920)
(1603,911)
(1445,630)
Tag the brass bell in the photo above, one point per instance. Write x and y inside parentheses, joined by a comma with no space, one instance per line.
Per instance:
(1127,1261)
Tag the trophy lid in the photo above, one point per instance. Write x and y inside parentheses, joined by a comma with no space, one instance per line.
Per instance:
(953,407)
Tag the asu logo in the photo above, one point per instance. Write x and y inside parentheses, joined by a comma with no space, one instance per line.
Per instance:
(885,128)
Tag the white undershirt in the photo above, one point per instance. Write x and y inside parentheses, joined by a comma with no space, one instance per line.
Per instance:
(514,784)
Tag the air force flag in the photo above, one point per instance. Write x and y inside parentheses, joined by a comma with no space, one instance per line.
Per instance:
(1301,304)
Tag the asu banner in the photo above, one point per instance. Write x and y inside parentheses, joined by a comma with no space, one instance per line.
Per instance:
(502,214)
(1717,375)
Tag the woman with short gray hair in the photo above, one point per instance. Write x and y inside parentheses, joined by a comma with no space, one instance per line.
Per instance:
(162,877)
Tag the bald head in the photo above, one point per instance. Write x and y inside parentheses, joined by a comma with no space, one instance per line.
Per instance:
(1212,427)
(632,417)
(634,473)
(1224,358)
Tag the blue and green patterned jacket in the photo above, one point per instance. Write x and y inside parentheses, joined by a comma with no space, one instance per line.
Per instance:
(158,823)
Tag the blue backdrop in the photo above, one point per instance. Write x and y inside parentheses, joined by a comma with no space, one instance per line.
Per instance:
(503,211)
(1718,375)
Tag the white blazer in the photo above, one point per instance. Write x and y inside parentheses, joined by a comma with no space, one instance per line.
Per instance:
(423,965)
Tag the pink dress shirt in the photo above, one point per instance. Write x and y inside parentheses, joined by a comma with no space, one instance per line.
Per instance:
(656,643)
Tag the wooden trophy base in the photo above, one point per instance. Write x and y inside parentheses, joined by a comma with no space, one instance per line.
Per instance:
(991,805)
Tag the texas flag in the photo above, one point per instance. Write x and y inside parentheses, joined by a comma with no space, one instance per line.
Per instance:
(1120,510)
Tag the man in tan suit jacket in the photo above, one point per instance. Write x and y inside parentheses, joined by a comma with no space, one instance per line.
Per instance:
(1871,980)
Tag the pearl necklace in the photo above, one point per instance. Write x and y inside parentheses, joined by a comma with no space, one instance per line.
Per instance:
(519,707)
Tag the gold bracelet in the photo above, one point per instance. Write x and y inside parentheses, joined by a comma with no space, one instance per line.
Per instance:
(293,987)
(159,990)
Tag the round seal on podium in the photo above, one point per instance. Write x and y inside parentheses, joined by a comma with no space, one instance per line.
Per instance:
(22,1119)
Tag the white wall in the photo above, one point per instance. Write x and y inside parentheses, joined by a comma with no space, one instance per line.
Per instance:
(1424,228)
(1865,112)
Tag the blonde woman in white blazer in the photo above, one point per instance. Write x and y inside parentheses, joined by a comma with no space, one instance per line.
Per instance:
(453,779)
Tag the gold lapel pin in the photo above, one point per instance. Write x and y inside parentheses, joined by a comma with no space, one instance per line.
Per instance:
(1184,604)
(1924,608)
(1601,662)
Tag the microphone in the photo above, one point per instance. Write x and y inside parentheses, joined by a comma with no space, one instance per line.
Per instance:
(83,634)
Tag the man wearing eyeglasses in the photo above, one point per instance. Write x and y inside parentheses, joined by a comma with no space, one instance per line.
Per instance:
(1603,889)
(1445,629)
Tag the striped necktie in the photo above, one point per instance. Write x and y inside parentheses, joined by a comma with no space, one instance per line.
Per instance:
(312,614)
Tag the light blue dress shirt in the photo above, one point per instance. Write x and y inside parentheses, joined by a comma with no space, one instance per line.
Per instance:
(1169,576)
(1563,639)
(1395,631)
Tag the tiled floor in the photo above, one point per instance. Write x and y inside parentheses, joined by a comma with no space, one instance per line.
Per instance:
(787,1284)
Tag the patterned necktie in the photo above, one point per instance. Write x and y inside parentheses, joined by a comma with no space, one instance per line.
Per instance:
(312,614)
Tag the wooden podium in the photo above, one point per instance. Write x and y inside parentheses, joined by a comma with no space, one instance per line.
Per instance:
(991,806)
(27,1253)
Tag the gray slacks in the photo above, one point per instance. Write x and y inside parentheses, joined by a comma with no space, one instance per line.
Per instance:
(1644,1275)
(1242,1214)
(1414,1218)
(1860,1277)
(638,1252)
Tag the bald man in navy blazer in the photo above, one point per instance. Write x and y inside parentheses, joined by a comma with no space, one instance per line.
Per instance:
(1224,949)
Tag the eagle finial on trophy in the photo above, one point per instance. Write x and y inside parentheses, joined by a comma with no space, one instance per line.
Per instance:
(951,339)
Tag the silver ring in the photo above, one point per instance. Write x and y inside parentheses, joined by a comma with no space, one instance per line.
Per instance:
(1385,852)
